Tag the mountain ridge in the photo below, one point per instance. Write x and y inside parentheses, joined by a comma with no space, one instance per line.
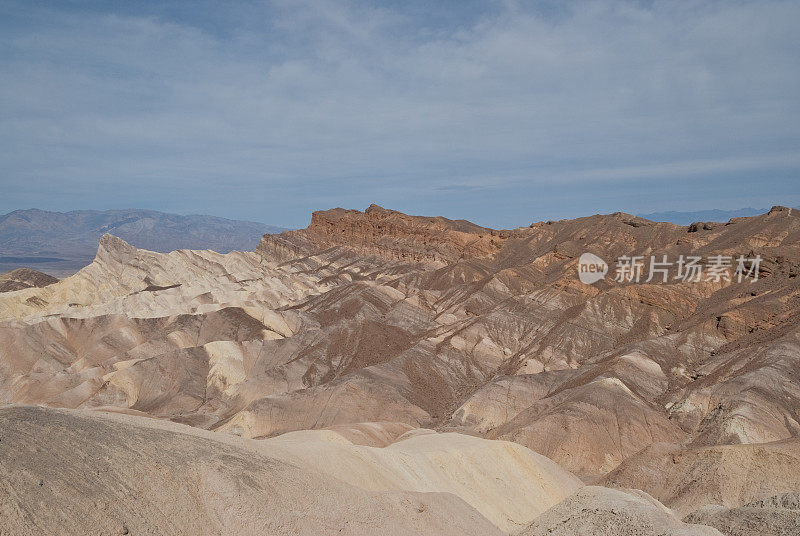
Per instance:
(63,242)
(382,326)
(710,215)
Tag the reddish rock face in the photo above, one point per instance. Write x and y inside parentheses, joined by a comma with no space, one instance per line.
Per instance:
(395,236)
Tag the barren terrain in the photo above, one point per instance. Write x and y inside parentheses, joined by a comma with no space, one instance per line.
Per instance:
(383,373)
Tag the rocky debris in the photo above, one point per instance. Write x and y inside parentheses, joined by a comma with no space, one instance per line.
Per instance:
(685,478)
(776,516)
(596,510)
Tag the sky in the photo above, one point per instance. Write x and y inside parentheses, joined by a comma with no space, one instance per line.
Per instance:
(500,112)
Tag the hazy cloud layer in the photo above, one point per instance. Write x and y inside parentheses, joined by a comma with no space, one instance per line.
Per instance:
(503,112)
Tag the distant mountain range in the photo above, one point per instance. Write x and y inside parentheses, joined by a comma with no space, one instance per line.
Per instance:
(62,242)
(687,218)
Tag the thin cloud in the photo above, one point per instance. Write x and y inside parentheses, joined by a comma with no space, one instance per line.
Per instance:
(351,101)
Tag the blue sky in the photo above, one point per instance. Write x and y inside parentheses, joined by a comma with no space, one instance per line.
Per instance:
(499,112)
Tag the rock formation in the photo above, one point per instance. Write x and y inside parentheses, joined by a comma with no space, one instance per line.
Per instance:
(21,278)
(370,325)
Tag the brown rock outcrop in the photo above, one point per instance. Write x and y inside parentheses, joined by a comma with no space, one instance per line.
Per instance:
(390,235)
(21,278)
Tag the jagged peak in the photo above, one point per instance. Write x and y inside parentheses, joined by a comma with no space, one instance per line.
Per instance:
(622,215)
(779,209)
(113,246)
(376,208)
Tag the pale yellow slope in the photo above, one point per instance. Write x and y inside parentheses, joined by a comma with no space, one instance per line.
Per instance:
(506,482)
